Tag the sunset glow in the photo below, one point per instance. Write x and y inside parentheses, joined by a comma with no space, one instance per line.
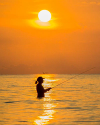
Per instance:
(66,40)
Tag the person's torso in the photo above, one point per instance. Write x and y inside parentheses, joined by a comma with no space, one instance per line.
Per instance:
(40,90)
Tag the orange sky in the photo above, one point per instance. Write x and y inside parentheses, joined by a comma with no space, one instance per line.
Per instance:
(69,43)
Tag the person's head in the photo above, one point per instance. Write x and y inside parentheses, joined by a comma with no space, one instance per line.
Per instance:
(39,80)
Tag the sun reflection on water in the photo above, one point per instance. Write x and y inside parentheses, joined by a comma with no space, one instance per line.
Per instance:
(46,116)
(47,113)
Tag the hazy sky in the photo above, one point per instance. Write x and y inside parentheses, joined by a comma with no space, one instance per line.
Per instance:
(69,43)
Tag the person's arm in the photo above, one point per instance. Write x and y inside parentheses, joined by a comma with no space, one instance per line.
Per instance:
(45,90)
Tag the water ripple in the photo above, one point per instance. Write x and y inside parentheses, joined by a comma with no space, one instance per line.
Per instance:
(11,101)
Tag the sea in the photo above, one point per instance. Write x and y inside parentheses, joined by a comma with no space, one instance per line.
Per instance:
(73,100)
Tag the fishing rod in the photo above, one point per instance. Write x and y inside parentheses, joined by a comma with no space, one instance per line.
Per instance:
(73,77)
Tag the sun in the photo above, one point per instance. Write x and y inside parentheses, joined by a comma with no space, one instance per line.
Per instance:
(44,15)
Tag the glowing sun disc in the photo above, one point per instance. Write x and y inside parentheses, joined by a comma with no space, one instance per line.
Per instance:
(44,15)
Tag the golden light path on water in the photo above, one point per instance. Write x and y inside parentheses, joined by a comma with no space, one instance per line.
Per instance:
(48,106)
(46,116)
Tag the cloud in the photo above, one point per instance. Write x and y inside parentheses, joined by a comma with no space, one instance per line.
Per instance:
(84,2)
(91,3)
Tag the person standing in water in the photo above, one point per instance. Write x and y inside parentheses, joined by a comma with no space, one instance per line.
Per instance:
(39,87)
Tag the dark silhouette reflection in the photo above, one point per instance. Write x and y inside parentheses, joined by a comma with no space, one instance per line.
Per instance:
(39,87)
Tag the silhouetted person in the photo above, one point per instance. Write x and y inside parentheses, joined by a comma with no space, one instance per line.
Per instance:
(39,87)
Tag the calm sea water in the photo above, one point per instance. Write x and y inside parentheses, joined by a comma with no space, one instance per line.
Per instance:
(75,102)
